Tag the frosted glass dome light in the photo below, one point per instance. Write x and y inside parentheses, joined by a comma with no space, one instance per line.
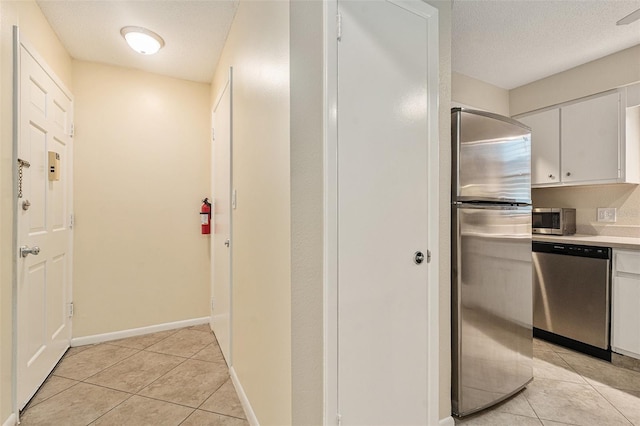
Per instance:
(142,40)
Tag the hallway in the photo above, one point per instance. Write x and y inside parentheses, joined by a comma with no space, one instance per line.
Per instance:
(174,377)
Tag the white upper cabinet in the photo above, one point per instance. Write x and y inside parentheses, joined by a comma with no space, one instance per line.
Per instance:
(590,140)
(586,142)
(545,146)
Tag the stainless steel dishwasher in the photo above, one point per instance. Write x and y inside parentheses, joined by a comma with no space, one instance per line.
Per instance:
(571,300)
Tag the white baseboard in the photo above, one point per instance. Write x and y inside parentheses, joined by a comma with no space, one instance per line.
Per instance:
(123,334)
(248,410)
(11,421)
(447,421)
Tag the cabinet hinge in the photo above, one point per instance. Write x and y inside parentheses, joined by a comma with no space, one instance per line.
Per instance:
(339,419)
(213,134)
(71,221)
(70,309)
(339,25)
(428,256)
(72,130)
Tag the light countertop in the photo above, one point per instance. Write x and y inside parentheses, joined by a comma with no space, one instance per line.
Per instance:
(629,243)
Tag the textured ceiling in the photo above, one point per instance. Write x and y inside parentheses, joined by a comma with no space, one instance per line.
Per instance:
(194,32)
(509,43)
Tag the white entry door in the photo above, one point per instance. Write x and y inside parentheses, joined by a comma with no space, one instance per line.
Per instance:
(384,120)
(43,219)
(221,241)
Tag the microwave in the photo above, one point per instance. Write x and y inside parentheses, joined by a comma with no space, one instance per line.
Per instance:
(553,221)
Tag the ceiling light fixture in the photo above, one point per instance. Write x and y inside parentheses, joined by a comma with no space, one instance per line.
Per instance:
(142,40)
(632,17)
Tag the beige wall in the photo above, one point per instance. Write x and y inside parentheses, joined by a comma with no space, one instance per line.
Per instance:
(34,28)
(616,70)
(586,200)
(142,152)
(619,69)
(478,94)
(445,97)
(307,149)
(258,49)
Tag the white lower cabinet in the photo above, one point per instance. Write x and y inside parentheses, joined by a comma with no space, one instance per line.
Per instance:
(625,309)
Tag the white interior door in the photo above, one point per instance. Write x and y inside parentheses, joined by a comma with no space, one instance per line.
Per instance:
(221,241)
(383,158)
(43,221)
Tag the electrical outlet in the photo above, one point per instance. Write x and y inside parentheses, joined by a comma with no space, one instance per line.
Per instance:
(607,214)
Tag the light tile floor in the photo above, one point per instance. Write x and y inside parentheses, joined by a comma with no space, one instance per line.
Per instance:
(179,377)
(175,377)
(568,388)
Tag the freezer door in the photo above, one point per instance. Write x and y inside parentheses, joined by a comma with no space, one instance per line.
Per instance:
(491,305)
(491,158)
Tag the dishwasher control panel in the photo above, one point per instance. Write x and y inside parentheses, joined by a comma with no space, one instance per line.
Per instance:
(572,250)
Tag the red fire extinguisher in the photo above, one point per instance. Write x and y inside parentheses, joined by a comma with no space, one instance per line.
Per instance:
(205,216)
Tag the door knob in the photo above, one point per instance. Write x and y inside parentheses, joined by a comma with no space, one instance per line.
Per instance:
(227,242)
(26,251)
(418,257)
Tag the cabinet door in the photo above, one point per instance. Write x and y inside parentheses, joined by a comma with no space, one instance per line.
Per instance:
(625,309)
(590,140)
(545,146)
(626,314)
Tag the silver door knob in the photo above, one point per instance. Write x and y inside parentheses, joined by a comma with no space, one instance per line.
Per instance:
(227,242)
(418,257)
(26,251)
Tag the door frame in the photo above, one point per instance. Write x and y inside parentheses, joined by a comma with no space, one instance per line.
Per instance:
(330,255)
(227,86)
(20,41)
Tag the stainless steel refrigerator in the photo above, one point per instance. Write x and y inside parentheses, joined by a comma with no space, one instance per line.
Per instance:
(490,259)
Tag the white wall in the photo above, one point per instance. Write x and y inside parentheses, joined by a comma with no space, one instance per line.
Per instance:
(142,152)
(34,27)
(258,49)
(616,70)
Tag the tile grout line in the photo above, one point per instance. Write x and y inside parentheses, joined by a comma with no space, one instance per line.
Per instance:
(109,366)
(218,366)
(29,406)
(112,408)
(611,403)
(594,388)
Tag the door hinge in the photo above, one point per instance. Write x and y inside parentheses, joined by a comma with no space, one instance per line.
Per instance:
(428,256)
(70,309)
(73,130)
(339,419)
(339,25)
(71,221)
